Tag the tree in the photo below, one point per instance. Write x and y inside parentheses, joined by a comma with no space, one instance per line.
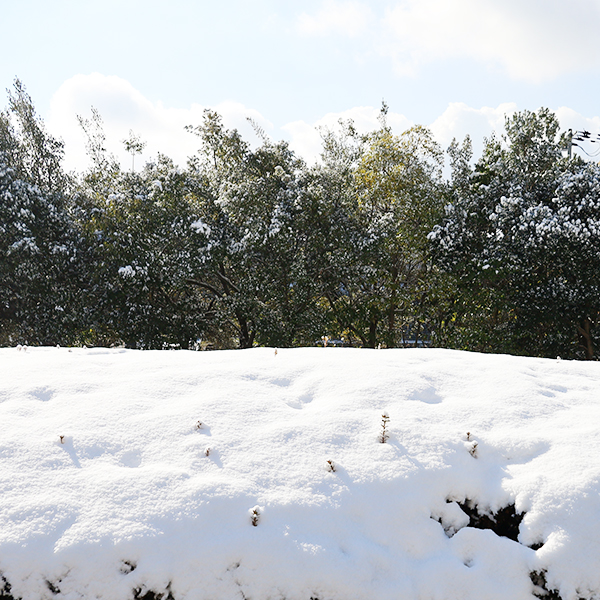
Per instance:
(147,243)
(519,240)
(39,243)
(104,167)
(260,267)
(29,150)
(394,184)
(134,145)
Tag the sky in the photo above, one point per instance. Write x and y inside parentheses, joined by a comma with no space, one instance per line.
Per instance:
(456,66)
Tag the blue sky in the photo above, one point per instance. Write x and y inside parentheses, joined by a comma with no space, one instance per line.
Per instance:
(454,65)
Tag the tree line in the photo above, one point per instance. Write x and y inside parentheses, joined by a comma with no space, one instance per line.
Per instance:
(249,246)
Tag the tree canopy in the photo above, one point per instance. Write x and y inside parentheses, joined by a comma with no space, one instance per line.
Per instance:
(247,244)
(520,240)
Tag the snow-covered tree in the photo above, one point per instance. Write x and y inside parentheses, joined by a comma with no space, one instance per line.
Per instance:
(40,291)
(143,234)
(391,190)
(260,266)
(520,237)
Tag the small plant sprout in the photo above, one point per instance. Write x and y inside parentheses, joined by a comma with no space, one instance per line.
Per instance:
(330,466)
(207,452)
(255,515)
(473,450)
(198,425)
(468,436)
(62,439)
(384,435)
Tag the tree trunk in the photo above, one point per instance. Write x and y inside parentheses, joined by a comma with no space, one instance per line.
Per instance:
(246,336)
(372,332)
(585,339)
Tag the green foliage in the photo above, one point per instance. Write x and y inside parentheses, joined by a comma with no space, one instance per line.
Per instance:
(33,154)
(144,247)
(36,251)
(392,201)
(260,266)
(249,245)
(521,241)
(40,288)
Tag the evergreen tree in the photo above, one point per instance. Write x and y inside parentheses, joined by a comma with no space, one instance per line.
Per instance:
(520,238)
(39,243)
(392,200)
(260,266)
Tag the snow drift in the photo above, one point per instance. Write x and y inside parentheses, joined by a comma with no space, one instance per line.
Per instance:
(262,475)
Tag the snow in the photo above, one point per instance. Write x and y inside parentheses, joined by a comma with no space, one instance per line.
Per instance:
(130,499)
(200,227)
(127,271)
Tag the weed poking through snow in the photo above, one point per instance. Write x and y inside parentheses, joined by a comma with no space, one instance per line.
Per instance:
(384,435)
(331,466)
(255,515)
(198,425)
(207,452)
(473,450)
(62,439)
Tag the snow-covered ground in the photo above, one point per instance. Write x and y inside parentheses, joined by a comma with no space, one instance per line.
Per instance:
(127,471)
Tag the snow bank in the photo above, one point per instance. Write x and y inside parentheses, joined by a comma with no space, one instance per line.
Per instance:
(127,470)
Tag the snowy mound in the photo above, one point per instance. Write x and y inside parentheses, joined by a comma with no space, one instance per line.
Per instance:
(262,475)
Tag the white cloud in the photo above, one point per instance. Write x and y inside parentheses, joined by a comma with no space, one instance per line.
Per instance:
(460,120)
(336,17)
(457,121)
(570,119)
(532,40)
(122,108)
(305,139)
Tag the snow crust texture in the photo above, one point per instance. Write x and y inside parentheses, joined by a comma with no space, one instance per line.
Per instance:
(262,475)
